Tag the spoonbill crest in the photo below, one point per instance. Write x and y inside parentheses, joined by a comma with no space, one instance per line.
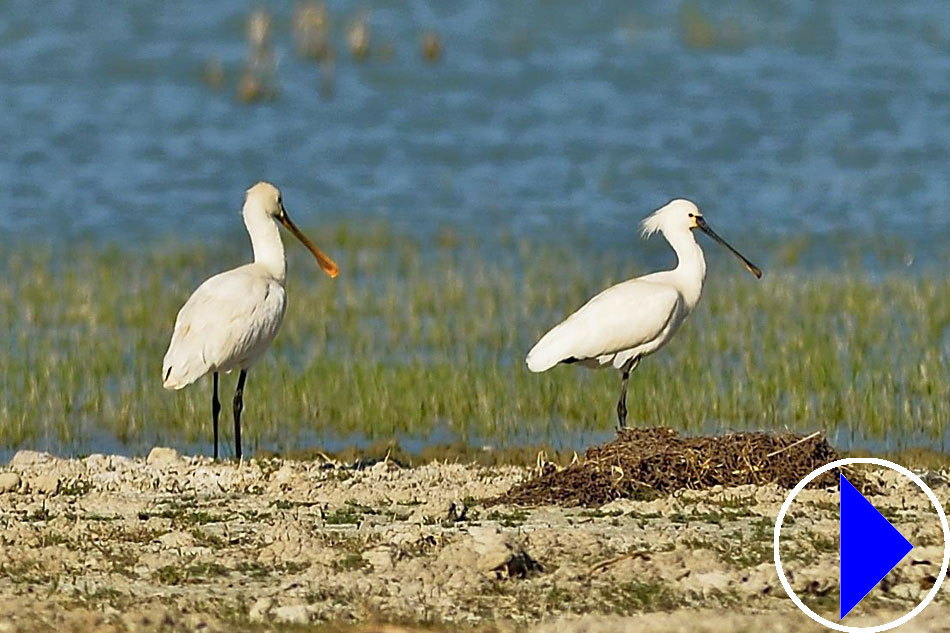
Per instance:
(231,318)
(637,317)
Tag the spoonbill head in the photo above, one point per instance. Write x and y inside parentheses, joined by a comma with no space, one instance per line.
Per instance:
(263,201)
(637,317)
(677,218)
(231,318)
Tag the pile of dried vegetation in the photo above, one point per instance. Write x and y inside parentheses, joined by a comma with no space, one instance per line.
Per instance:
(644,463)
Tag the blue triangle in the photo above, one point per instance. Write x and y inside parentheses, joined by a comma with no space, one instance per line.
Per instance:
(870,547)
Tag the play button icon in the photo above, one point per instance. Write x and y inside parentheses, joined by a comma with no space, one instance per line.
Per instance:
(870,547)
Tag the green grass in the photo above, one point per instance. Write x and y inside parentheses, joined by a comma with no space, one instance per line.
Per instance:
(414,337)
(192,574)
(636,596)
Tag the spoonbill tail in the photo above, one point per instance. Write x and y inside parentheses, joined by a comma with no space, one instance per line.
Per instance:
(231,318)
(637,317)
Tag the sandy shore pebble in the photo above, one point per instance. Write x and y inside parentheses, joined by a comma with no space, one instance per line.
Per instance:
(181,543)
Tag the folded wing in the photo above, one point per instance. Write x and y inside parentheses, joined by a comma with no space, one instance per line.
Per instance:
(624,317)
(229,319)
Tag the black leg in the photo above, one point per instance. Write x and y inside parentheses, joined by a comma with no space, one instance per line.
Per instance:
(622,403)
(215,410)
(238,406)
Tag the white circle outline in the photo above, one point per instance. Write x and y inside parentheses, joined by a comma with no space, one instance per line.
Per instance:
(946,545)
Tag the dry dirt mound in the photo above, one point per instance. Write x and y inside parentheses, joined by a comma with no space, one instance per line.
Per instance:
(642,463)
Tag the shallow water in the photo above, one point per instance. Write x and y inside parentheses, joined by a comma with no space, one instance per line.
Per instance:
(818,119)
(444,443)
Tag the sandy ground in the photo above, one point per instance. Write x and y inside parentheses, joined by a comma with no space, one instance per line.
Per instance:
(171,543)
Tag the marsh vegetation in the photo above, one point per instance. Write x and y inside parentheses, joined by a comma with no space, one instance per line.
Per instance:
(425,338)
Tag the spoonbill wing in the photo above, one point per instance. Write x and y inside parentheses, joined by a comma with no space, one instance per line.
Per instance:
(229,319)
(622,317)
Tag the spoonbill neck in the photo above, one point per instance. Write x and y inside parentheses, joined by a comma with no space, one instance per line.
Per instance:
(266,242)
(690,271)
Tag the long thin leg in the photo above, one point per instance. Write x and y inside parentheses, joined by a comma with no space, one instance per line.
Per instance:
(238,406)
(215,410)
(622,403)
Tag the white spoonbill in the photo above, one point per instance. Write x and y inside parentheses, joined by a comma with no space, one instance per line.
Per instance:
(231,318)
(636,317)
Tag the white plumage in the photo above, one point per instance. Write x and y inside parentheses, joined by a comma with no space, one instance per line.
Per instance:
(231,318)
(635,318)
(601,333)
(226,324)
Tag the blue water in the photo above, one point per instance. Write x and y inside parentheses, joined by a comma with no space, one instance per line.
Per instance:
(817,119)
